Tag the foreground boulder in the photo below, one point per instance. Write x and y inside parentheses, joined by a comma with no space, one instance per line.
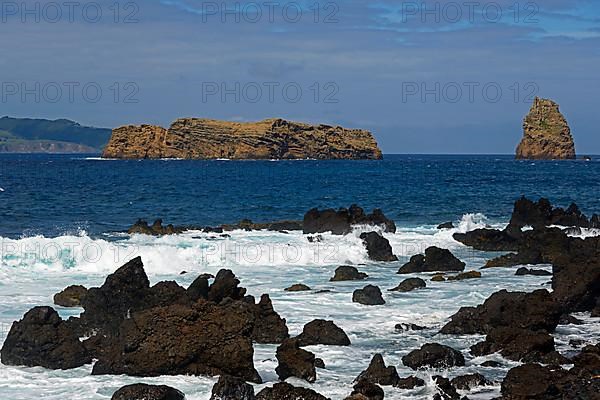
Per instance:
(43,339)
(533,381)
(340,222)
(71,296)
(285,391)
(347,273)
(294,361)
(232,388)
(324,332)
(378,247)
(533,311)
(369,295)
(433,355)
(201,339)
(409,284)
(434,259)
(140,391)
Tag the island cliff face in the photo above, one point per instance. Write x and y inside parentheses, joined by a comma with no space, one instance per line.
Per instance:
(193,138)
(546,134)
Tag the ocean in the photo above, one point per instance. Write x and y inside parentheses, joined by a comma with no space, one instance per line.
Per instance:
(63,220)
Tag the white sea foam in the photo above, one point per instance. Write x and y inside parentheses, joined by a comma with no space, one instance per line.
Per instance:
(34,268)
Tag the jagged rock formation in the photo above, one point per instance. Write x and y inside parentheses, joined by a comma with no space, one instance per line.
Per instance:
(194,138)
(546,134)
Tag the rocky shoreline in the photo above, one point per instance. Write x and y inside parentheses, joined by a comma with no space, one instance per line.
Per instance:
(210,327)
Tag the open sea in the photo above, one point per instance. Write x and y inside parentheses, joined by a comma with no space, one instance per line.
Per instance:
(63,220)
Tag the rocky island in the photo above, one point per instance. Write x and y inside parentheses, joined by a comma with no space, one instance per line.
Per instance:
(194,138)
(546,133)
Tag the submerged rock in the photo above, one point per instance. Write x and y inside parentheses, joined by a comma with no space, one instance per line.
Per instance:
(324,332)
(347,273)
(70,296)
(446,225)
(537,272)
(378,247)
(369,295)
(546,133)
(409,284)
(298,287)
(141,391)
(434,259)
(470,381)
(433,355)
(465,275)
(43,339)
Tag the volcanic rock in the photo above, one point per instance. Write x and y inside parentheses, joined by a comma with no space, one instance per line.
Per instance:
(285,391)
(546,133)
(340,222)
(433,355)
(435,259)
(297,287)
(369,295)
(347,273)
(409,284)
(378,247)
(141,391)
(324,332)
(294,361)
(193,138)
(70,296)
(232,388)
(377,372)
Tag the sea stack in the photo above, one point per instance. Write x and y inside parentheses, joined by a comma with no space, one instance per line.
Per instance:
(194,138)
(546,133)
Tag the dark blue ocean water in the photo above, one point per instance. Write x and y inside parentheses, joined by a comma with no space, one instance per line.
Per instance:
(56,194)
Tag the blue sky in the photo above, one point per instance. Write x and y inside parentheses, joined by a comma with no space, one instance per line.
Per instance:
(425,77)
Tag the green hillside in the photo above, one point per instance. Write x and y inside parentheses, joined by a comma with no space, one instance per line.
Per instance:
(34,135)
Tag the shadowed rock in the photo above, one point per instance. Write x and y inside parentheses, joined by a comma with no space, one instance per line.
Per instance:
(70,296)
(324,332)
(43,339)
(141,391)
(378,247)
(369,295)
(285,391)
(409,284)
(435,259)
(298,287)
(232,388)
(377,372)
(294,361)
(433,355)
(347,273)
(340,222)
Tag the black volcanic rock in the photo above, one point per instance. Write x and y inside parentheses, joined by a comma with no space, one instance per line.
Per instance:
(141,391)
(340,222)
(294,361)
(369,295)
(534,311)
(435,259)
(285,391)
(232,388)
(378,247)
(379,373)
(324,332)
(347,273)
(43,339)
(70,296)
(409,284)
(433,355)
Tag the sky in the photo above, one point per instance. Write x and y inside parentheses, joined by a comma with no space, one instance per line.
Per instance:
(425,77)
